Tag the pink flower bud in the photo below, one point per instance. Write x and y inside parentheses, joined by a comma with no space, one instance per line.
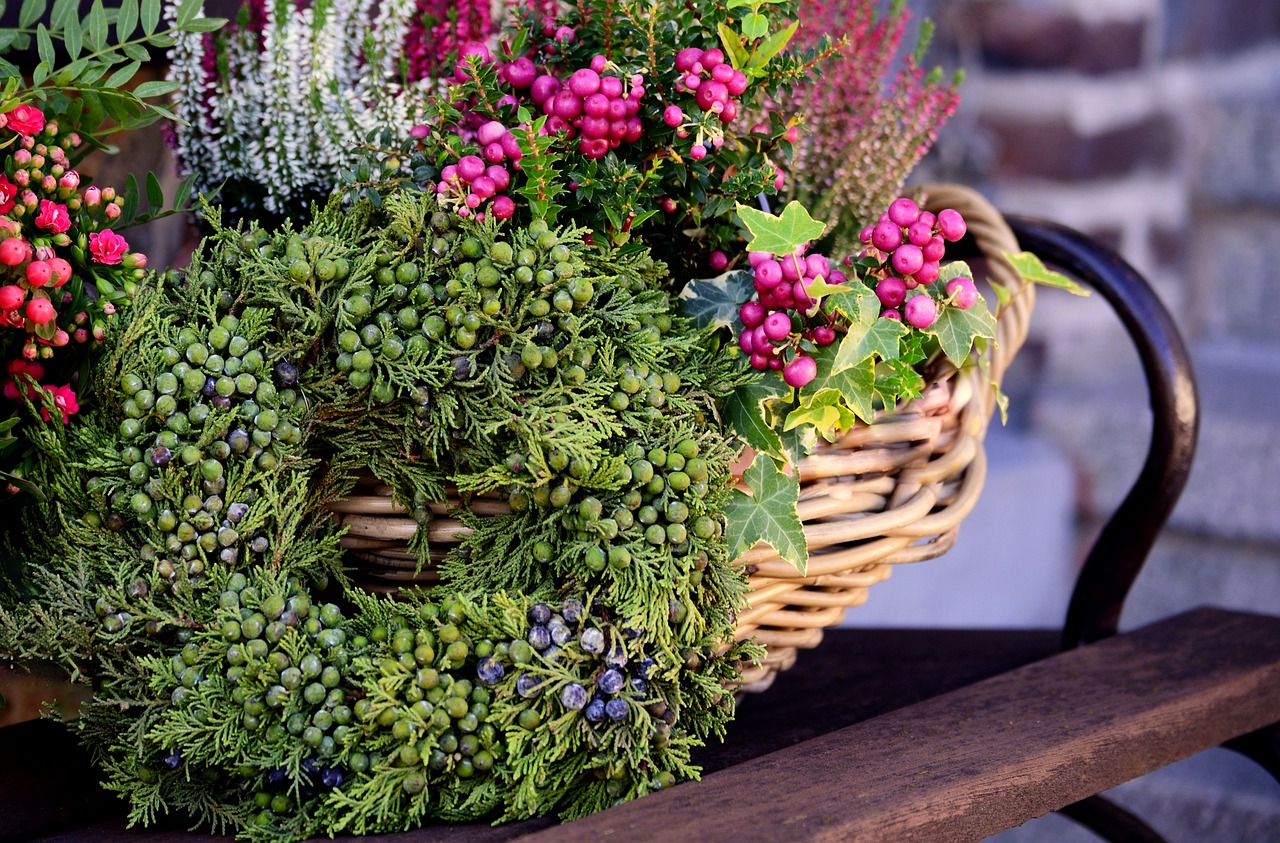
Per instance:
(92,197)
(113,212)
(70,179)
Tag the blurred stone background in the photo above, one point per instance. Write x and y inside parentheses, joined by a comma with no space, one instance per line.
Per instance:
(1154,126)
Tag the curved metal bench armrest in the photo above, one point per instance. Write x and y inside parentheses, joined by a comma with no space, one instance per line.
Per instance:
(1128,536)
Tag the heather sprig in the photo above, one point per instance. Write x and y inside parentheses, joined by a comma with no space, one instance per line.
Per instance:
(866,123)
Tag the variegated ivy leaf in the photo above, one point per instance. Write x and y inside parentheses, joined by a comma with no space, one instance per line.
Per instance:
(826,412)
(868,335)
(855,384)
(714,302)
(779,235)
(768,513)
(1033,270)
(749,413)
(956,329)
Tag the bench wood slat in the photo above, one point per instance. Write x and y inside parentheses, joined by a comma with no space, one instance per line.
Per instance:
(989,756)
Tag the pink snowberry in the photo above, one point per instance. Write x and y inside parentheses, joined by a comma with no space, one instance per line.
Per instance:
(962,291)
(903,211)
(800,371)
(920,311)
(891,291)
(886,236)
(907,259)
(951,224)
(751,313)
(718,260)
(777,325)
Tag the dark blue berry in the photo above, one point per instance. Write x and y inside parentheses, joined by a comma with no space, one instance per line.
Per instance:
(310,767)
(559,632)
(489,670)
(594,710)
(528,685)
(617,657)
(573,696)
(237,511)
(611,681)
(539,638)
(332,777)
(571,610)
(160,456)
(640,686)
(617,709)
(210,387)
(644,667)
(276,779)
(592,640)
(173,760)
(286,373)
(540,613)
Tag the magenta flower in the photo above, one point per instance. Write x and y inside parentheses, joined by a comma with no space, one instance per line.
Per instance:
(107,247)
(53,217)
(64,399)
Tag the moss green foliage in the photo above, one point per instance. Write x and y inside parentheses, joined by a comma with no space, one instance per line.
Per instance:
(184,562)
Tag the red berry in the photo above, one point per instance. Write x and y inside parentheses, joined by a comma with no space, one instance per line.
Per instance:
(903,211)
(886,236)
(800,371)
(11,297)
(751,313)
(927,273)
(920,311)
(687,58)
(934,249)
(907,259)
(672,116)
(769,273)
(891,291)
(777,326)
(40,310)
(951,224)
(39,273)
(824,335)
(718,260)
(13,251)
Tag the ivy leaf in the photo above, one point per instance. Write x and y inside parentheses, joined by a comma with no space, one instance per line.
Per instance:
(799,442)
(1031,268)
(714,302)
(956,329)
(869,335)
(826,412)
(768,513)
(855,384)
(779,235)
(820,289)
(749,414)
(896,381)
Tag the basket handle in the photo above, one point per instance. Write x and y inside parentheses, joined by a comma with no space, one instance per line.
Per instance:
(1125,541)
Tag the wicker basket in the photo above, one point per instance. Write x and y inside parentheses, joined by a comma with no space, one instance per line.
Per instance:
(883,494)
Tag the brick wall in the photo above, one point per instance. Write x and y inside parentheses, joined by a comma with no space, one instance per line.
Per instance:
(1153,125)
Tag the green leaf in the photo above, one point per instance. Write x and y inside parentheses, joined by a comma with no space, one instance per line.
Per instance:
(1031,268)
(799,442)
(1002,403)
(867,338)
(188,10)
(63,11)
(149,14)
(768,513)
(126,20)
(773,45)
(137,52)
(715,302)
(855,384)
(183,192)
(31,11)
(826,412)
(40,74)
(155,193)
(782,234)
(732,46)
(755,25)
(8,69)
(748,413)
(896,381)
(130,198)
(73,37)
(1003,294)
(157,88)
(124,74)
(7,37)
(44,45)
(956,329)
(97,25)
(205,25)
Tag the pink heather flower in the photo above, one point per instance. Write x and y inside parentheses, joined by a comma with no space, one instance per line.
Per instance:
(53,217)
(107,246)
(26,120)
(64,399)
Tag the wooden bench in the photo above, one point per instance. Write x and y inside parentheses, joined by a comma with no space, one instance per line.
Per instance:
(884,735)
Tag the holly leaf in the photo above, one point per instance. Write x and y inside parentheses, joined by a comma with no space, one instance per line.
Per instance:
(749,413)
(714,302)
(779,235)
(768,513)
(1033,270)
(869,336)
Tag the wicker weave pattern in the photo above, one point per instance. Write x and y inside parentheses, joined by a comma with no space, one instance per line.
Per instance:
(883,494)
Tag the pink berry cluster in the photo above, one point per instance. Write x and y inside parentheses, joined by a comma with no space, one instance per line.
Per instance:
(911,243)
(49,226)
(601,111)
(477,179)
(783,316)
(714,84)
